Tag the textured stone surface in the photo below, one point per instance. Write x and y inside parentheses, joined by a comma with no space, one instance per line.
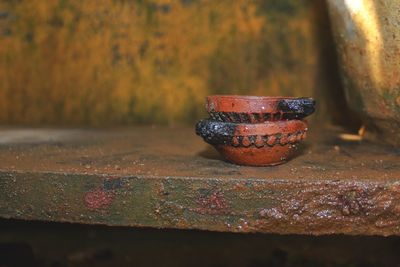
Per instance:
(168,178)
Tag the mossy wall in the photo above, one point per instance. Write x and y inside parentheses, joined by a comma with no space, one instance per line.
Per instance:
(122,62)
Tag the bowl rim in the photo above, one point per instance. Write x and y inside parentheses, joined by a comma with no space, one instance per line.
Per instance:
(260,104)
(230,129)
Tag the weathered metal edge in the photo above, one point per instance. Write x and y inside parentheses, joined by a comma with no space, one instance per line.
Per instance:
(230,205)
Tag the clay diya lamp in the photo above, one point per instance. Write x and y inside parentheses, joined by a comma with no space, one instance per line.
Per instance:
(258,109)
(260,144)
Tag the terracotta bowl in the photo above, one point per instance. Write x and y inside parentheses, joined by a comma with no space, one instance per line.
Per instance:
(260,144)
(258,109)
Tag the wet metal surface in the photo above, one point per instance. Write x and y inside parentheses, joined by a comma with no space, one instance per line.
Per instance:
(168,178)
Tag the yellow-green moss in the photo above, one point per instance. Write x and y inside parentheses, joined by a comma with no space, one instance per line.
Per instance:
(112,61)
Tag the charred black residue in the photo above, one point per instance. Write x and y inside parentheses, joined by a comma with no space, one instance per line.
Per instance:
(215,132)
(296,108)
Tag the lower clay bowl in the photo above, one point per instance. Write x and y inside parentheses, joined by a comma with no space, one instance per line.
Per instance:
(258,109)
(260,144)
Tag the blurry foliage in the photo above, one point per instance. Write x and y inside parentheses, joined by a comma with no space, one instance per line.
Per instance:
(120,62)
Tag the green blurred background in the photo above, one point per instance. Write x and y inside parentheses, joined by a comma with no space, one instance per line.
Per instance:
(115,62)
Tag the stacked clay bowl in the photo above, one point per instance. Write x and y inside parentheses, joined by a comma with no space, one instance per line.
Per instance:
(255,131)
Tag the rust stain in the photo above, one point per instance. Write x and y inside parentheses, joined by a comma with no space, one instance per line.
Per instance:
(102,197)
(348,206)
(98,199)
(212,203)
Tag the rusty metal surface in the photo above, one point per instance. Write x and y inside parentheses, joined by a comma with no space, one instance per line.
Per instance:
(168,178)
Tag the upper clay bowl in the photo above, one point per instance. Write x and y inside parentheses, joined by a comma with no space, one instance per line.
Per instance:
(258,109)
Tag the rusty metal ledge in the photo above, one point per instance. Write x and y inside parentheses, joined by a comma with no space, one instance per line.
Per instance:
(167,178)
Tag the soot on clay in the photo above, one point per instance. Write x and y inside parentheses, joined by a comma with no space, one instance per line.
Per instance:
(215,132)
(297,108)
